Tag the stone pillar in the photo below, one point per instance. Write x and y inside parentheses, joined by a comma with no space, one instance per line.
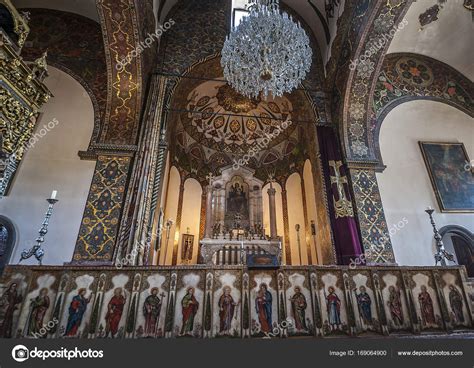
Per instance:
(286,224)
(271,200)
(208,233)
(370,213)
(101,219)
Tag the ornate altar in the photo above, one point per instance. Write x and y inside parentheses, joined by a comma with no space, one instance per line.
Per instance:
(234,218)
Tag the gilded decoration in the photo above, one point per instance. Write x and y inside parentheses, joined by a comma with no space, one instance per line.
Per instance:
(22,93)
(342,206)
(20,21)
(99,226)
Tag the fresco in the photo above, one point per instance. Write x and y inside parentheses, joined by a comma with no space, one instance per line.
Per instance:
(12,293)
(189,304)
(298,303)
(36,319)
(394,301)
(333,306)
(232,302)
(77,309)
(364,303)
(227,304)
(264,302)
(151,311)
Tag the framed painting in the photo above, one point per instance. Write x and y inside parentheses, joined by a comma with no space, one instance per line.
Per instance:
(451,175)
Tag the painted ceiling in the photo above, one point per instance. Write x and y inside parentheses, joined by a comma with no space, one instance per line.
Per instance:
(214,126)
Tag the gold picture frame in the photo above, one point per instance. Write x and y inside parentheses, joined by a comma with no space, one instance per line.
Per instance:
(451,175)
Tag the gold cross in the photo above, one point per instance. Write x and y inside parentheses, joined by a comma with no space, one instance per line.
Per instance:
(338,179)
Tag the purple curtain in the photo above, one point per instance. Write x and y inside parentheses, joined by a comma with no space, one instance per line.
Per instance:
(345,230)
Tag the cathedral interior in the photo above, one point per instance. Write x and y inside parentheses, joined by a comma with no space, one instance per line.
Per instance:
(169,204)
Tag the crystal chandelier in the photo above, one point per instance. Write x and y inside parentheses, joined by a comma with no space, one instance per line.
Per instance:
(267,53)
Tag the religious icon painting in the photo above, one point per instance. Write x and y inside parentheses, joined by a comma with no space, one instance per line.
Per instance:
(394,301)
(36,320)
(227,303)
(264,303)
(426,301)
(188,317)
(450,284)
(298,303)
(12,294)
(364,302)
(333,306)
(116,298)
(77,309)
(151,311)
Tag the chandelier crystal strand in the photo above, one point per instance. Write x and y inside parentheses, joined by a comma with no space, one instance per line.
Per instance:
(267,53)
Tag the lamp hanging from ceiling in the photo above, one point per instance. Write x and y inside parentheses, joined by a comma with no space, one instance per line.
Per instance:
(268,53)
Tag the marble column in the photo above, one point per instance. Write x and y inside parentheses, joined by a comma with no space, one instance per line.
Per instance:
(271,200)
(208,232)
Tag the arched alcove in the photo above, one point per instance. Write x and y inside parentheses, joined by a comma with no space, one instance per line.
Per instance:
(405,186)
(7,241)
(63,129)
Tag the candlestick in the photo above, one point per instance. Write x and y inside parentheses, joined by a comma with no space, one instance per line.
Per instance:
(37,250)
(441,254)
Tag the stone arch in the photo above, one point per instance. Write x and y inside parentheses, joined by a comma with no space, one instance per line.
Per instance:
(7,241)
(464,256)
(84,60)
(396,86)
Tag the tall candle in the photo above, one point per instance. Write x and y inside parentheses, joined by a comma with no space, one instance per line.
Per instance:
(54,194)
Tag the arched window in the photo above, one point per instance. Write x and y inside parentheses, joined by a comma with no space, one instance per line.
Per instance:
(461,241)
(7,241)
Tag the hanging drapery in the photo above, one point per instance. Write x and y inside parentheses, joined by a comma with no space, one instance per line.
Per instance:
(341,212)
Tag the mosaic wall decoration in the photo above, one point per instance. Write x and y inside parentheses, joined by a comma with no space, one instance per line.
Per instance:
(229,302)
(75,45)
(99,226)
(373,226)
